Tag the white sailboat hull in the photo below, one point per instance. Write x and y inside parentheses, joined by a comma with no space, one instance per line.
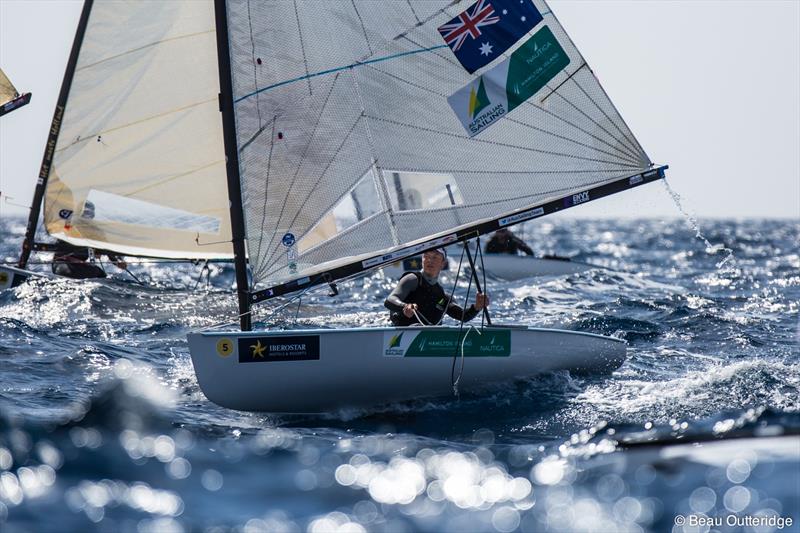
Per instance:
(321,370)
(513,267)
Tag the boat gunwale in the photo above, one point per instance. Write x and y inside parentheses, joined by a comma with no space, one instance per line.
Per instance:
(294,332)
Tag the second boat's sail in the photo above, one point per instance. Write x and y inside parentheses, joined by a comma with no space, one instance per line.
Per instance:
(139,166)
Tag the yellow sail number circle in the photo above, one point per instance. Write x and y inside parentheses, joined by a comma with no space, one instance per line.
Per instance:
(225,347)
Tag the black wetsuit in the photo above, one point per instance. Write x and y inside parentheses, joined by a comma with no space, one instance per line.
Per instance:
(432,302)
(72,262)
(507,244)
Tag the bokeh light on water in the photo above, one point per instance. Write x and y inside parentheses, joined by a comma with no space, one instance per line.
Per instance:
(103,426)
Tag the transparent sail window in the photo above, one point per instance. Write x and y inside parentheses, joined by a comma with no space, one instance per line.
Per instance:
(359,204)
(422,190)
(107,207)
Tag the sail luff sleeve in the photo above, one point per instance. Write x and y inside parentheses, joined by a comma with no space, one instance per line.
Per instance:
(232,164)
(52,137)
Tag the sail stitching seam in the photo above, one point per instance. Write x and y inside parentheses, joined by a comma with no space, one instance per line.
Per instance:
(363,28)
(266,190)
(302,50)
(313,187)
(496,143)
(613,123)
(593,121)
(253,57)
(622,154)
(137,122)
(148,45)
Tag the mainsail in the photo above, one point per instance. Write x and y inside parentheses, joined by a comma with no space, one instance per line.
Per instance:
(139,166)
(10,99)
(352,148)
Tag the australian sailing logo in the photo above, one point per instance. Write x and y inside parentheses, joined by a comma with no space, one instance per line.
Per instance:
(482,111)
(393,343)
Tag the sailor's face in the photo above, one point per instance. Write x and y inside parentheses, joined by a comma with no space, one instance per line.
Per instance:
(432,263)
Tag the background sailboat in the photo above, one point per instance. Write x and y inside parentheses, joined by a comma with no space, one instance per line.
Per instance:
(10,99)
(134,162)
(355,145)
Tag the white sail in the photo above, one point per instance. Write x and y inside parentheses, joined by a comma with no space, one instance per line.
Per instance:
(139,166)
(331,97)
(7,90)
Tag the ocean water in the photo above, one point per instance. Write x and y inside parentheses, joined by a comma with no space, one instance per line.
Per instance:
(103,426)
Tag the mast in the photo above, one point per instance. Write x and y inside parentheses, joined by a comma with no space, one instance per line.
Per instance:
(52,138)
(232,164)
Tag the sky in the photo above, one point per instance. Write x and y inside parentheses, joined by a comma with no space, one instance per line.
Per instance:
(711,88)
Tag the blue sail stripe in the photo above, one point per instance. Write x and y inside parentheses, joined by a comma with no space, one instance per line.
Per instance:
(337,69)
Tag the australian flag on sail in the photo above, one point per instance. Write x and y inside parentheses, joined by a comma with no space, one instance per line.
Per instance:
(487,29)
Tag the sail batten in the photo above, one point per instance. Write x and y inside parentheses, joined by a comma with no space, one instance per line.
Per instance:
(378,137)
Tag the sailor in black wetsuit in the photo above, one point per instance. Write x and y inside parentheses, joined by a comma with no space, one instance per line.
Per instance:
(505,242)
(418,294)
(73,262)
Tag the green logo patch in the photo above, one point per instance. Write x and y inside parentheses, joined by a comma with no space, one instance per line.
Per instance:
(492,343)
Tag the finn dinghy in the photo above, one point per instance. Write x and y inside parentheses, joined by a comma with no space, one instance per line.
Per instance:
(398,128)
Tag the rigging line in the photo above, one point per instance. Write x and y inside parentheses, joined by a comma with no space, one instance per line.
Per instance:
(483,271)
(593,121)
(253,56)
(314,187)
(603,111)
(421,318)
(461,370)
(302,51)
(94,135)
(337,69)
(148,45)
(266,190)
(363,28)
(455,282)
(622,155)
(302,157)
(327,210)
(496,143)
(453,379)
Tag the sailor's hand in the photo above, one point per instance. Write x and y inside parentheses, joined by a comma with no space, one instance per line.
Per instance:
(408,310)
(122,264)
(481,301)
